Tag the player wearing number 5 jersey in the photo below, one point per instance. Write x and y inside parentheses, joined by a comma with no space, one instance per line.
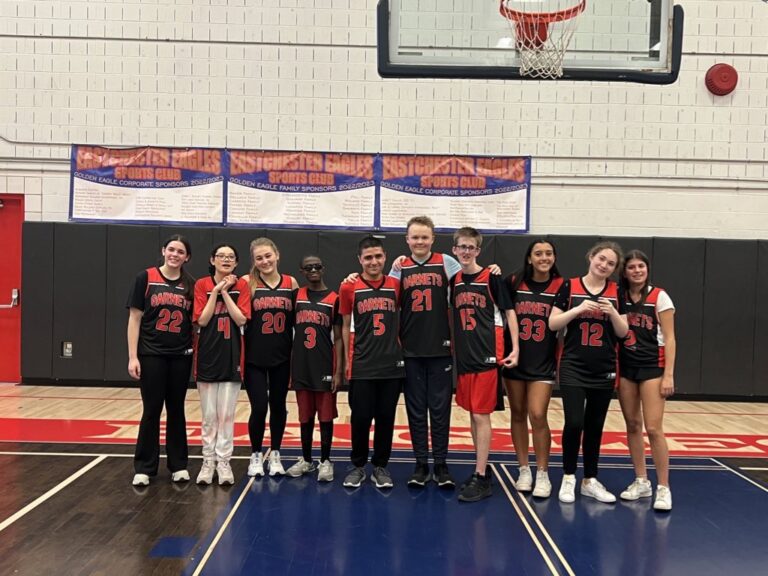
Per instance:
(222,306)
(268,342)
(316,366)
(160,357)
(374,361)
(592,313)
(529,384)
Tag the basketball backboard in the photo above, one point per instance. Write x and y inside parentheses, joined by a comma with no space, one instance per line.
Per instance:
(614,40)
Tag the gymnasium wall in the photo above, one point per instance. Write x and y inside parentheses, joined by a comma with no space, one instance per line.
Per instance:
(609,159)
(76,286)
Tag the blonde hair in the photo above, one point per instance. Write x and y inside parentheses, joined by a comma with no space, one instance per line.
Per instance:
(253,275)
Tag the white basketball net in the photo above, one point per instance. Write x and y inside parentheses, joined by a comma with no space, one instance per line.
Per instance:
(542,30)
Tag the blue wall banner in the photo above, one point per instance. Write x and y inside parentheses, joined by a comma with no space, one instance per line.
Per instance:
(301,189)
(147,185)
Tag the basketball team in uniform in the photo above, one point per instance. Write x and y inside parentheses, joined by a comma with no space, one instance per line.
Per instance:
(407,330)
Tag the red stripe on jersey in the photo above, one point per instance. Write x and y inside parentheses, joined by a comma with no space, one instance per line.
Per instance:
(350,354)
(499,344)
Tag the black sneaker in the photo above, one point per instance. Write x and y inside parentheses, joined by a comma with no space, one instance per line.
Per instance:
(488,475)
(420,476)
(381,477)
(443,477)
(477,488)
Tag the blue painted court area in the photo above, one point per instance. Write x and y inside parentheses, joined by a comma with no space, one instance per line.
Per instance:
(299,527)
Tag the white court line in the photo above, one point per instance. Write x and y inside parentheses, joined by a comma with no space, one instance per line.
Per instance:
(53,491)
(753,469)
(544,531)
(763,488)
(533,536)
(224,526)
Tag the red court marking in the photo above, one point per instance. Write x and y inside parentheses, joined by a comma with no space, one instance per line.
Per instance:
(125,431)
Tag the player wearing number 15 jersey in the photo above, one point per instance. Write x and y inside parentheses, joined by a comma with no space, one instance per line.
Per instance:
(592,313)
(268,341)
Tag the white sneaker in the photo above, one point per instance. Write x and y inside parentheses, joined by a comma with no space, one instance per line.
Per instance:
(180,476)
(640,488)
(663,499)
(140,480)
(256,464)
(543,485)
(568,489)
(593,489)
(524,480)
(325,471)
(224,471)
(275,466)
(299,469)
(206,472)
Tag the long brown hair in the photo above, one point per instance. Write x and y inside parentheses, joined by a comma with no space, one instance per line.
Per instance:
(253,274)
(608,245)
(636,255)
(189,280)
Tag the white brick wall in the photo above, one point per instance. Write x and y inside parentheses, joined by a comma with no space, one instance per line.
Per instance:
(301,74)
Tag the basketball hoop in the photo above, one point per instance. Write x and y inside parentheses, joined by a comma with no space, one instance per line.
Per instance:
(542,38)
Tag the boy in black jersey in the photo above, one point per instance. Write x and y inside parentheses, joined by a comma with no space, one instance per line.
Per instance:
(374,361)
(478,299)
(316,366)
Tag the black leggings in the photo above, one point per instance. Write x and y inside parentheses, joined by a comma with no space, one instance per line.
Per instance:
(267,389)
(164,380)
(585,410)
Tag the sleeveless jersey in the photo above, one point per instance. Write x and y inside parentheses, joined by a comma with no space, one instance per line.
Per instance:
(589,355)
(424,324)
(478,322)
(312,361)
(644,345)
(166,323)
(374,347)
(538,344)
(269,334)
(219,347)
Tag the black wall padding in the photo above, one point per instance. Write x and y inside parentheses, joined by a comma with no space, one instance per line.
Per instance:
(79,280)
(678,267)
(571,254)
(760,373)
(727,346)
(37,300)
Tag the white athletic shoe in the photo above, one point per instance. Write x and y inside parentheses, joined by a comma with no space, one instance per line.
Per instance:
(224,471)
(543,485)
(256,464)
(140,480)
(180,476)
(275,466)
(325,471)
(593,489)
(524,480)
(568,489)
(640,488)
(206,472)
(300,468)
(663,499)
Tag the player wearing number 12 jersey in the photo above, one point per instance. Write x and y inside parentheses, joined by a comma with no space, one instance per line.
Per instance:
(593,315)
(268,342)
(374,361)
(529,384)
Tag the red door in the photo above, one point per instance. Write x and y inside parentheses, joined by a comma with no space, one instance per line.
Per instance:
(11,217)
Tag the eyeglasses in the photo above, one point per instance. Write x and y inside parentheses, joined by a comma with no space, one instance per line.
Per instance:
(312,267)
(226,257)
(466,248)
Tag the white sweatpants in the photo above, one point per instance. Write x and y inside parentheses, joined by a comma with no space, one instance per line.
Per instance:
(218,401)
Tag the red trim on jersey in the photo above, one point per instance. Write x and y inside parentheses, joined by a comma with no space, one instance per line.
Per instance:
(153,277)
(350,355)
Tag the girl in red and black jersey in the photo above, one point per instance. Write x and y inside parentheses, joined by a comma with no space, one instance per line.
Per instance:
(316,366)
(529,384)
(222,306)
(647,360)
(268,342)
(593,315)
(160,357)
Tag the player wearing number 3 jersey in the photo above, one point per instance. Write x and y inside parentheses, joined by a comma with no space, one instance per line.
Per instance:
(268,341)
(160,357)
(592,313)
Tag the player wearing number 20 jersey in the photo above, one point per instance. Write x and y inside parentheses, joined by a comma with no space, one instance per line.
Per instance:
(590,345)
(269,334)
(533,304)
(312,363)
